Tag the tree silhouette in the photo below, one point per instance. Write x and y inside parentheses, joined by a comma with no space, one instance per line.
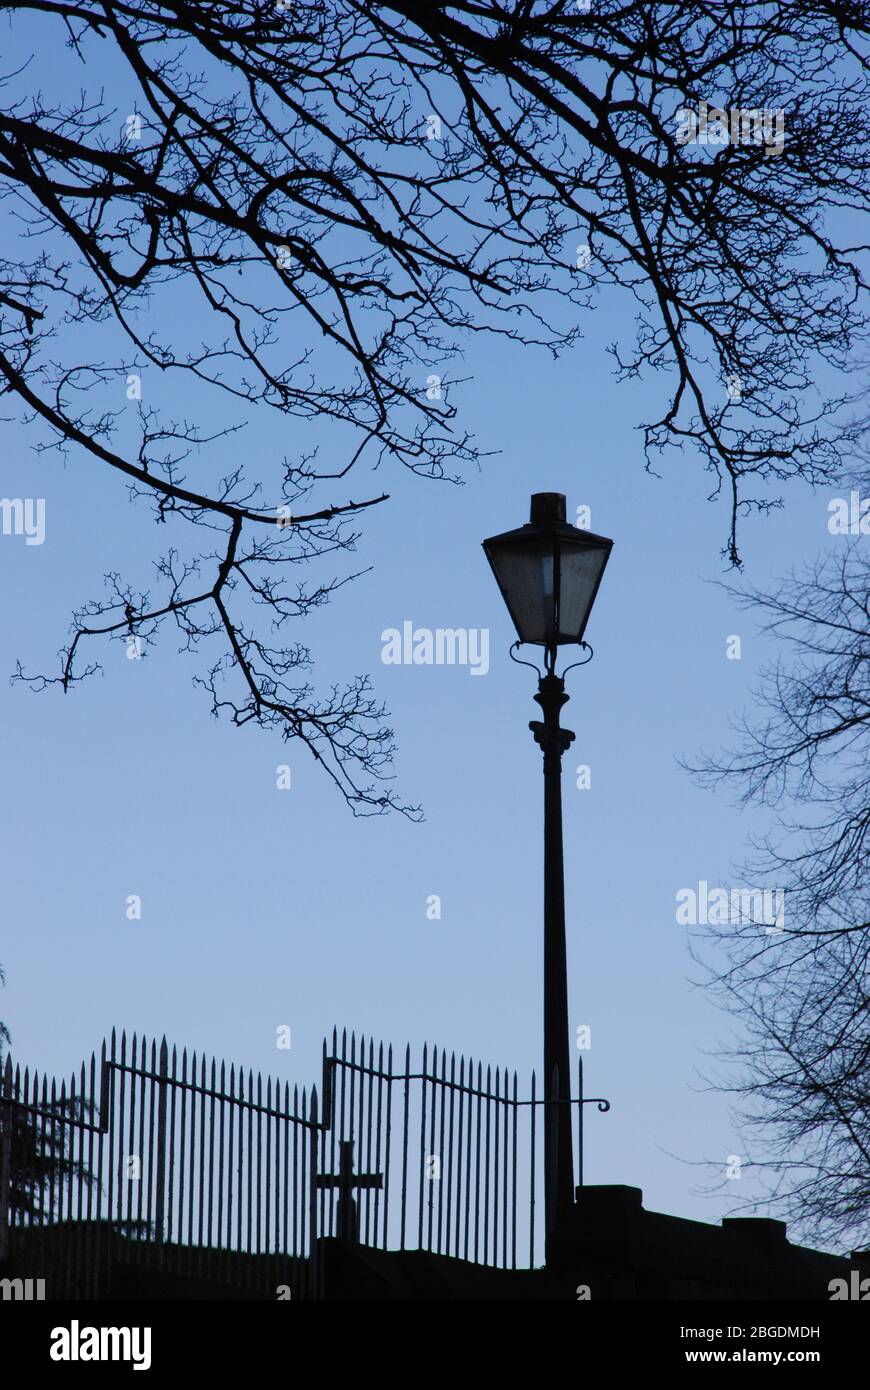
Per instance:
(35,1150)
(295,215)
(5,1037)
(802,994)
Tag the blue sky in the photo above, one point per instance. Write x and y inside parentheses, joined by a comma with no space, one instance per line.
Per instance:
(263,907)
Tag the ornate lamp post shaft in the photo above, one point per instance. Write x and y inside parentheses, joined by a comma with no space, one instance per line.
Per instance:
(558,1153)
(548,573)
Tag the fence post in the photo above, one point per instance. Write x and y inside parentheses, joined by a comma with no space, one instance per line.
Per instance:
(161,1141)
(5,1158)
(315,1277)
(580,1120)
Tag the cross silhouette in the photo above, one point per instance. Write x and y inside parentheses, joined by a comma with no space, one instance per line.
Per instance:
(346,1180)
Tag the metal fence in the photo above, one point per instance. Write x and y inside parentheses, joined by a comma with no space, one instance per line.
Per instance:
(172,1175)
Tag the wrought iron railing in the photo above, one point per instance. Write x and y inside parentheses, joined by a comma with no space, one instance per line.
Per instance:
(150,1165)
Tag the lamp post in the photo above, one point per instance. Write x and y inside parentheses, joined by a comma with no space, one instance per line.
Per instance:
(549,572)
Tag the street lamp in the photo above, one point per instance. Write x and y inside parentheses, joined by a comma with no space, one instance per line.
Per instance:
(549,572)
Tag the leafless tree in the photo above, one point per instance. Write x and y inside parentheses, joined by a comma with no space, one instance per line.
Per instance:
(5,1037)
(802,993)
(35,1150)
(283,219)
